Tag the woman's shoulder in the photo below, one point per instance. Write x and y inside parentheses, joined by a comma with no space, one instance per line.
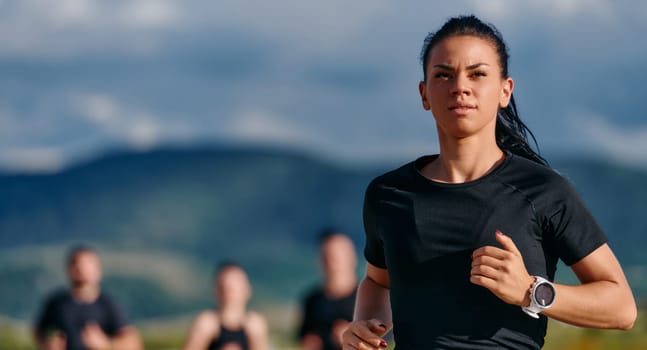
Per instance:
(255,323)
(208,320)
(400,174)
(534,179)
(519,167)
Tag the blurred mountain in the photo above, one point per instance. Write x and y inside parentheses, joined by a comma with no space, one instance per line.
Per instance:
(191,200)
(162,219)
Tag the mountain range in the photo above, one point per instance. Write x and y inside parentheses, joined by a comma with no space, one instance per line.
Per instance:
(162,219)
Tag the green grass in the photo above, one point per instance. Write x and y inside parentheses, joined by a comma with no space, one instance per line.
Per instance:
(563,336)
(169,334)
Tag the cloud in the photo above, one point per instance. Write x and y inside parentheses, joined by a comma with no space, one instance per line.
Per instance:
(64,28)
(143,132)
(34,159)
(83,76)
(68,12)
(624,144)
(355,147)
(318,26)
(98,108)
(140,129)
(554,9)
(260,126)
(150,14)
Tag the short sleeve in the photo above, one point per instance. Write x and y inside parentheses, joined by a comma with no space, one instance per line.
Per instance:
(46,318)
(574,232)
(374,248)
(117,317)
(307,321)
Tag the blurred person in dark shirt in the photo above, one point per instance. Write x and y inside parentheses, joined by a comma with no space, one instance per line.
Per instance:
(327,308)
(83,317)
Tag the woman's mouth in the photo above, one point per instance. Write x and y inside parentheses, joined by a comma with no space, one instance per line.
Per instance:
(462,108)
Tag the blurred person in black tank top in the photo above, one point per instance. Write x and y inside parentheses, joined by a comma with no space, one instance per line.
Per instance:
(231,326)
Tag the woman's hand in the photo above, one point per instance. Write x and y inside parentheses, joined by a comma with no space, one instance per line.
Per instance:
(364,335)
(502,271)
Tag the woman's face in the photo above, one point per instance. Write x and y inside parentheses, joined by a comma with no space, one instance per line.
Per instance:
(464,88)
(232,286)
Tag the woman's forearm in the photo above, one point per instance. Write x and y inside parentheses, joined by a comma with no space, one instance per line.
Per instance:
(603,300)
(373,302)
(601,304)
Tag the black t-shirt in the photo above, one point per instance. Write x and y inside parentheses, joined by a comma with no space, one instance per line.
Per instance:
(61,312)
(424,233)
(320,313)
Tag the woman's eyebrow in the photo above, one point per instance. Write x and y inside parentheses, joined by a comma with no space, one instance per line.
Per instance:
(477,65)
(470,67)
(443,67)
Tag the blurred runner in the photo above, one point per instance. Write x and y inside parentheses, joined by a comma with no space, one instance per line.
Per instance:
(84,317)
(231,326)
(328,308)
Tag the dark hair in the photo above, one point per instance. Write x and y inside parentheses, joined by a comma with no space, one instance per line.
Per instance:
(75,250)
(326,233)
(226,264)
(511,132)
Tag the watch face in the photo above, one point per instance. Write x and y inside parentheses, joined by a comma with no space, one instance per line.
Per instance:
(544,294)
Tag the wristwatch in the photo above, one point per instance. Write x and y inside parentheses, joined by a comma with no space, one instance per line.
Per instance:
(542,296)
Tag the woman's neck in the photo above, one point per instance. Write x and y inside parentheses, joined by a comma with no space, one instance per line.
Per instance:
(232,316)
(464,160)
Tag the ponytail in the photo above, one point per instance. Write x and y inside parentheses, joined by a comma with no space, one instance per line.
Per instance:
(512,134)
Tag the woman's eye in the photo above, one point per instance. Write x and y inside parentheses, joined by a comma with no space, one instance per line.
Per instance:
(478,74)
(441,75)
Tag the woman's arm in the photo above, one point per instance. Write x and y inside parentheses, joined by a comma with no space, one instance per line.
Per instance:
(373,296)
(257,331)
(205,327)
(603,300)
(372,318)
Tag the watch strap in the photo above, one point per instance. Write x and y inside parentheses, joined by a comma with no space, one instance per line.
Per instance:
(534,309)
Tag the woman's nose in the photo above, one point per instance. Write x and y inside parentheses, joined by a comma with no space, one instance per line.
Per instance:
(460,86)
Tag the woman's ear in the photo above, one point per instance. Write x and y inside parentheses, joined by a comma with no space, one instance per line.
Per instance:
(506,92)
(422,89)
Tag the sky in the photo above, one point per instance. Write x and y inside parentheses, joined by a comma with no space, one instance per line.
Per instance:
(79,78)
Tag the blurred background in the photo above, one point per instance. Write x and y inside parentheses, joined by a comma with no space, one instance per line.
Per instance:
(173,134)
